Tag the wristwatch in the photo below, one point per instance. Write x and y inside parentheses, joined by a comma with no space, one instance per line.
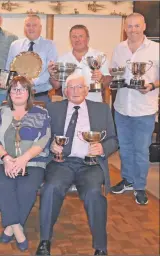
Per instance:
(153,86)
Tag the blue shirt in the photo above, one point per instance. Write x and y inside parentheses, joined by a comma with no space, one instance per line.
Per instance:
(46,49)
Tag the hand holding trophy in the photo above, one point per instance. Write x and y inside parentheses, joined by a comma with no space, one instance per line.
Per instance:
(91,137)
(138,69)
(95,62)
(60,141)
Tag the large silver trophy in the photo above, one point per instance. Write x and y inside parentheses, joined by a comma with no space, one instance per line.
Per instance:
(61,141)
(91,137)
(95,62)
(118,81)
(138,69)
(62,70)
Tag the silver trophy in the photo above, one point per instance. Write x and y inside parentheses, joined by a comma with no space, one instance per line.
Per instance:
(118,81)
(138,69)
(62,70)
(61,141)
(91,137)
(95,62)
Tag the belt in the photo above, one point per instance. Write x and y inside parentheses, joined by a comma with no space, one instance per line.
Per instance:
(41,94)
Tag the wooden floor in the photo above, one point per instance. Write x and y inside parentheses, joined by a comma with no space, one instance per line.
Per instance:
(132,229)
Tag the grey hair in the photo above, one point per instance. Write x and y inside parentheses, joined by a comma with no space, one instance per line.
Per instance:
(74,76)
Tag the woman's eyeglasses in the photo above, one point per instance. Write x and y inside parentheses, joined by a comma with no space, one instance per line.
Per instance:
(20,90)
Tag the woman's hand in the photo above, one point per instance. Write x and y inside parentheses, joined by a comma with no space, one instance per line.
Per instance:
(8,166)
(20,165)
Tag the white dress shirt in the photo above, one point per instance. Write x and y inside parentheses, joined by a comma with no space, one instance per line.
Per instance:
(46,49)
(79,146)
(85,71)
(131,102)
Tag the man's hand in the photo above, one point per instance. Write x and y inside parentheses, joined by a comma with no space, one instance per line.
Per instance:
(51,68)
(96,75)
(148,88)
(56,148)
(96,149)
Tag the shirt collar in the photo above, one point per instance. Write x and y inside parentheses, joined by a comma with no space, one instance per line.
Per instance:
(35,41)
(145,42)
(71,105)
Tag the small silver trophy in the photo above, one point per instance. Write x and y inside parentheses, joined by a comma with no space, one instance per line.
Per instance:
(95,62)
(138,69)
(118,81)
(91,137)
(61,141)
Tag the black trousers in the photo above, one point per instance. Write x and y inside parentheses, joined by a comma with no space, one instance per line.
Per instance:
(18,195)
(88,180)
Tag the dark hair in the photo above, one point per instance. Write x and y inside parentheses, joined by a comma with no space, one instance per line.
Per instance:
(79,26)
(24,83)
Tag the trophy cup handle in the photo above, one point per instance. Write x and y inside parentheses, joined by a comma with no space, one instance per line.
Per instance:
(128,64)
(67,140)
(103,132)
(104,57)
(150,64)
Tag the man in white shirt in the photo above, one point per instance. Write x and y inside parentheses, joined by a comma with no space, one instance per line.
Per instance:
(79,38)
(70,116)
(135,109)
(45,48)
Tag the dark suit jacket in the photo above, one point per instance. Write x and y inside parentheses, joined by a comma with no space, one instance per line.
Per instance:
(100,119)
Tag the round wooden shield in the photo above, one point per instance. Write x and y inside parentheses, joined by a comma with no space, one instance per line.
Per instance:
(28,64)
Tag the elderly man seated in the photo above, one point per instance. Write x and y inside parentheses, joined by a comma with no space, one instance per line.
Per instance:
(70,118)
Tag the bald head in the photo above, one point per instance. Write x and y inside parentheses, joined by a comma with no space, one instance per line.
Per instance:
(135,26)
(135,15)
(32,27)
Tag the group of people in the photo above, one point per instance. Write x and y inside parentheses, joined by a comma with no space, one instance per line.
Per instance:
(27,132)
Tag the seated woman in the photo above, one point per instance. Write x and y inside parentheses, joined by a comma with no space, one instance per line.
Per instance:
(24,147)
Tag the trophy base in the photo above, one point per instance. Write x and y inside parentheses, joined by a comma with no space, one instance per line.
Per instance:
(90,160)
(96,87)
(136,84)
(58,158)
(25,174)
(117,84)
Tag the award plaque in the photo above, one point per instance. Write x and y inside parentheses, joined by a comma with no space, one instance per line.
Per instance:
(28,64)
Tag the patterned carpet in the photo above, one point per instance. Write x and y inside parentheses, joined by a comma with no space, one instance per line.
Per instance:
(132,229)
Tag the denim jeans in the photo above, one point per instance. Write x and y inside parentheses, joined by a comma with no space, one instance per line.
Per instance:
(134,135)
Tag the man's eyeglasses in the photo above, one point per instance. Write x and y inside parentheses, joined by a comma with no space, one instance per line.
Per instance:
(20,90)
(78,86)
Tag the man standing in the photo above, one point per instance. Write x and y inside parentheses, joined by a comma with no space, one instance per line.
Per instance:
(6,39)
(135,109)
(68,117)
(79,38)
(43,47)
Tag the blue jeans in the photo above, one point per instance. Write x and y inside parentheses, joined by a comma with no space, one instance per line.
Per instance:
(134,135)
